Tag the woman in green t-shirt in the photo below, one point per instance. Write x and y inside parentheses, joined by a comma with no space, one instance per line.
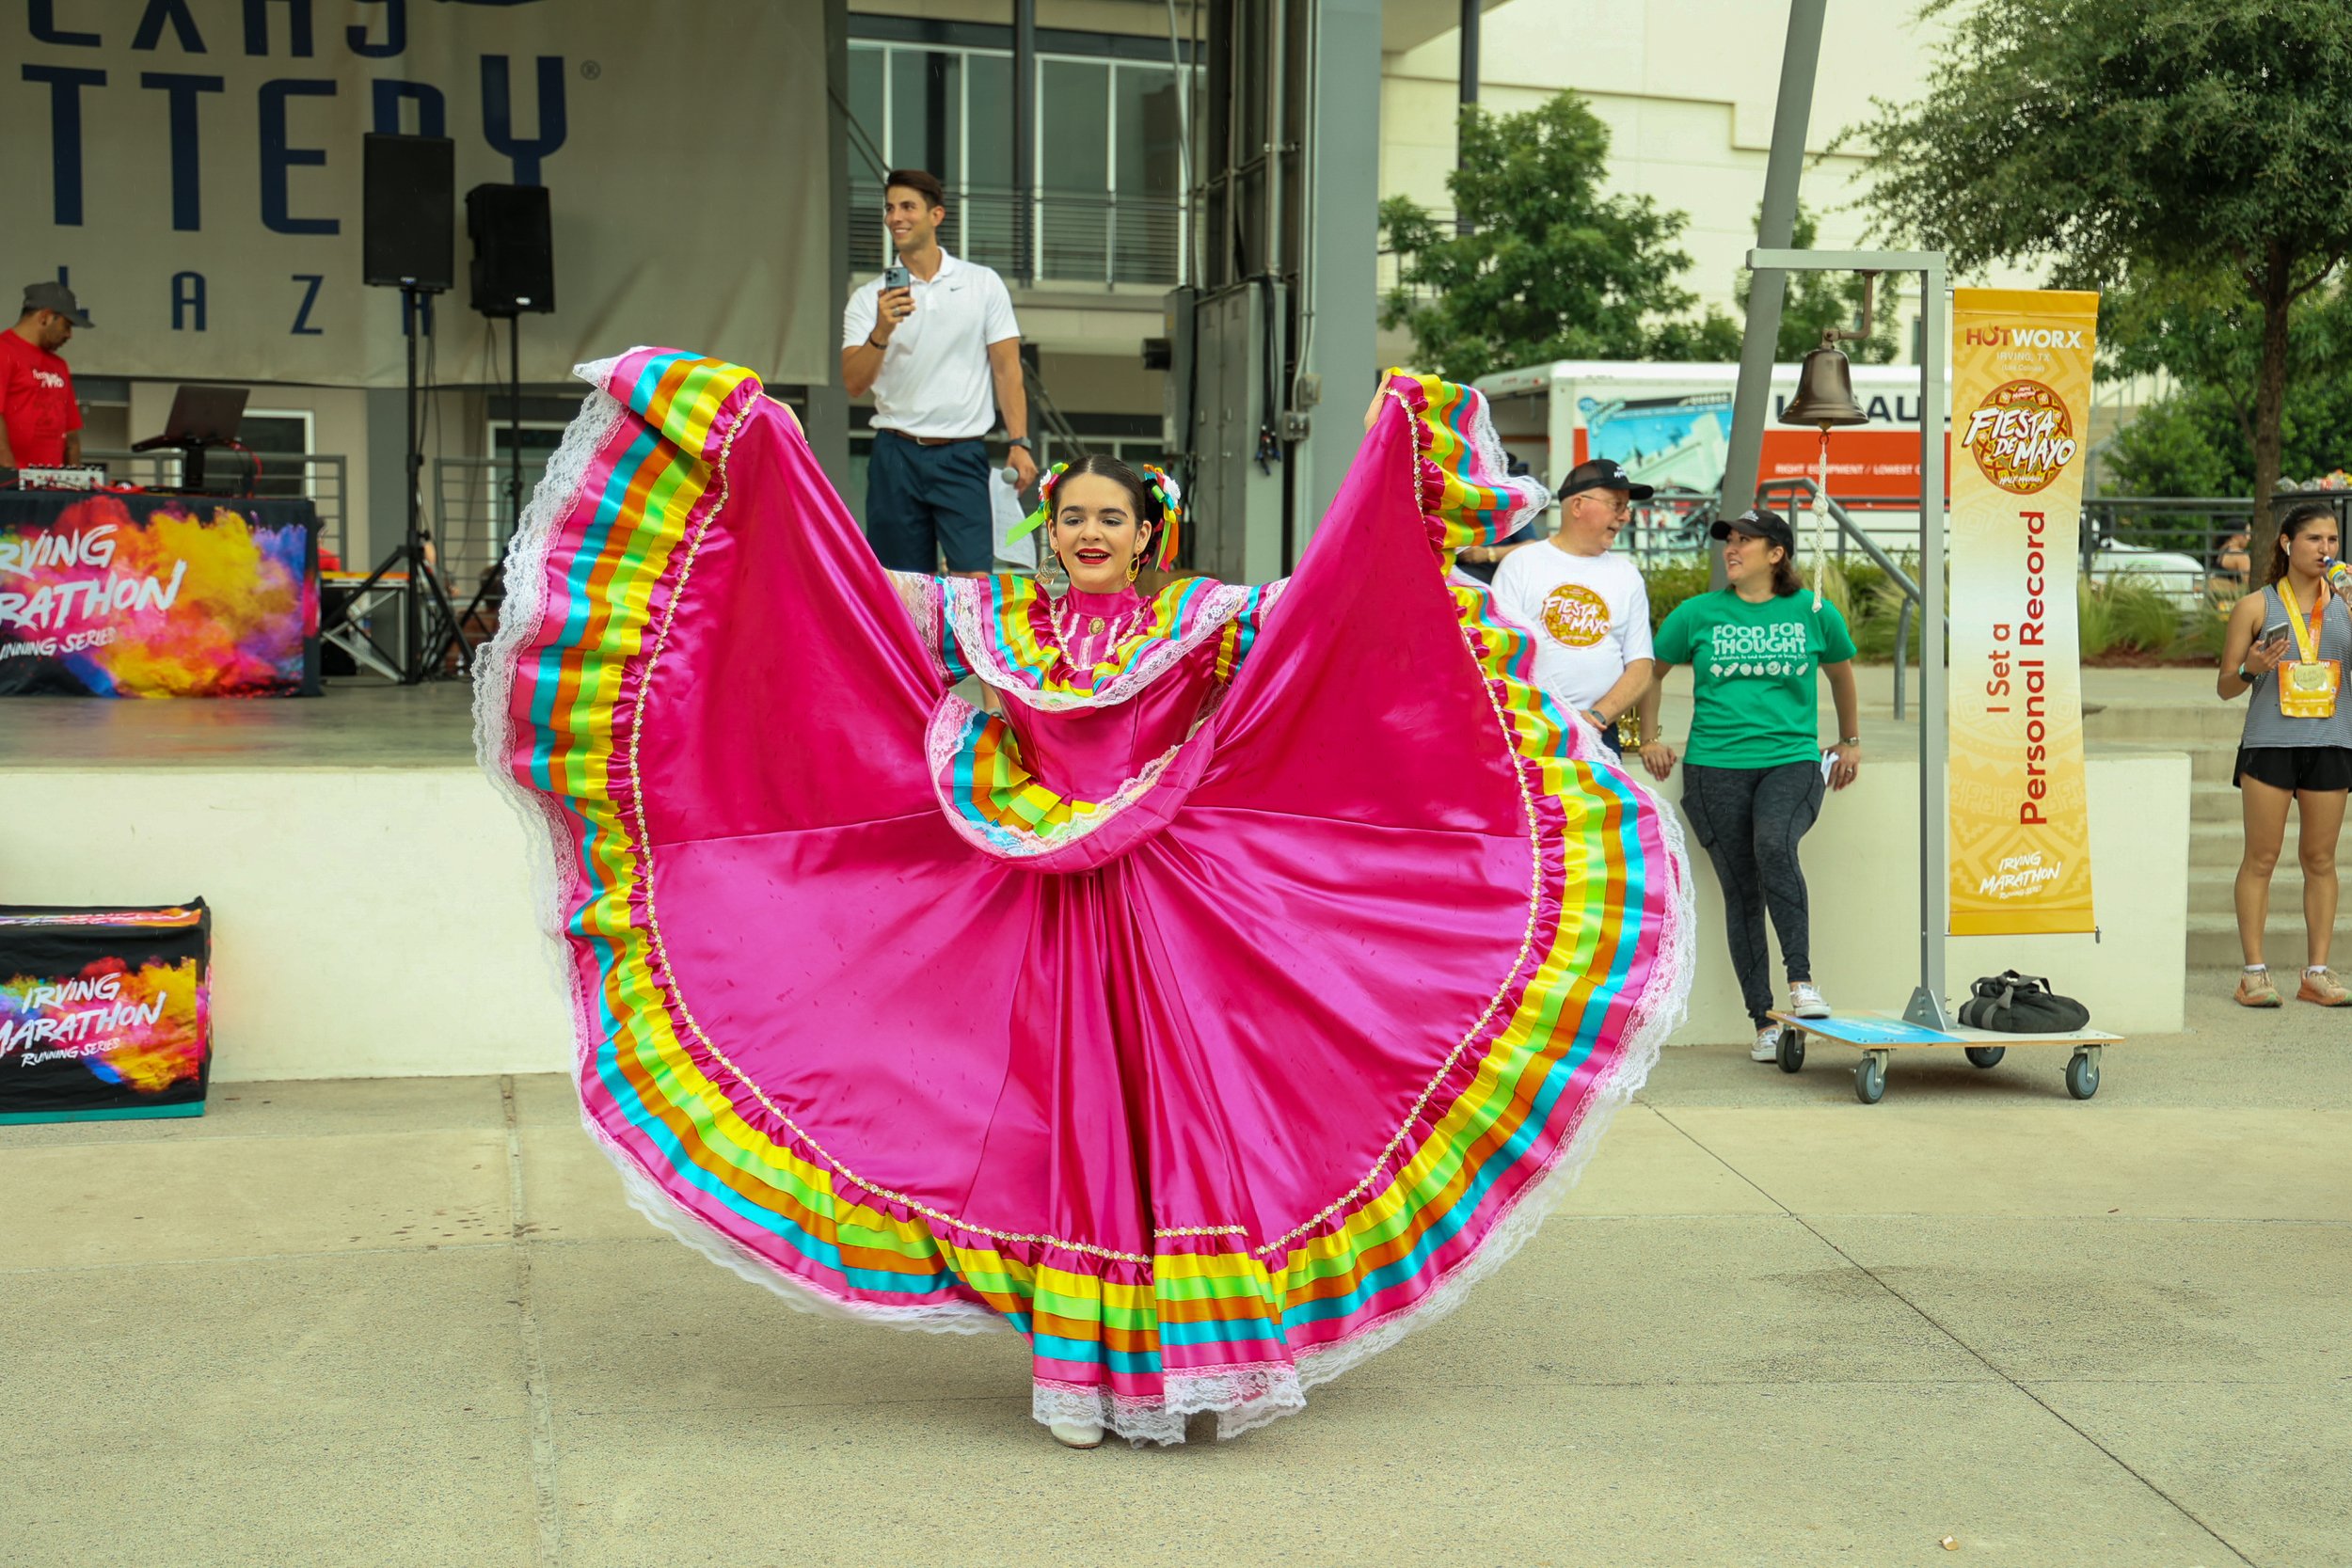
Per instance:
(1753,781)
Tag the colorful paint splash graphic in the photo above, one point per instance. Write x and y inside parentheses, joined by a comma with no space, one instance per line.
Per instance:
(170,605)
(143,1029)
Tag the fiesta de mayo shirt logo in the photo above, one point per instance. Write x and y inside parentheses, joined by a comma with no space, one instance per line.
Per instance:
(2020,437)
(1575,615)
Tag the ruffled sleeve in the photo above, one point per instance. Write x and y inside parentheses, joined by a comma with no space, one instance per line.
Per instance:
(1241,633)
(1466,492)
(925,600)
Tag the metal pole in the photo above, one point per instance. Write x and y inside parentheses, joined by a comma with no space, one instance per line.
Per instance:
(1926,1004)
(514,429)
(412,609)
(1470,52)
(1023,137)
(1471,62)
(1784,166)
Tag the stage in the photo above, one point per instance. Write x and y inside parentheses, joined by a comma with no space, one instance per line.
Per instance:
(371,908)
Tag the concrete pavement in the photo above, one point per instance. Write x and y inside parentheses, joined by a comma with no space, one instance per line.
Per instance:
(410,1322)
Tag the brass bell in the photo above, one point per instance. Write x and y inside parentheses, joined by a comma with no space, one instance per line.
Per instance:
(1825,388)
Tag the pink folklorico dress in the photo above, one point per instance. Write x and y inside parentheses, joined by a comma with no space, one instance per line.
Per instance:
(1215,1016)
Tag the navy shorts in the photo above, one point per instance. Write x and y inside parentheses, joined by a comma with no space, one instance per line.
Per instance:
(925,503)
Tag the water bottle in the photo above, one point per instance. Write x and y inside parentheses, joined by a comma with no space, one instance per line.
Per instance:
(2339,576)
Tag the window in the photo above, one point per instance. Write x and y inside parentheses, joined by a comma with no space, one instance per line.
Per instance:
(278,440)
(1108,178)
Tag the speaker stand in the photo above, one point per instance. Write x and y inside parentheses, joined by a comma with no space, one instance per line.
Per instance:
(413,554)
(493,583)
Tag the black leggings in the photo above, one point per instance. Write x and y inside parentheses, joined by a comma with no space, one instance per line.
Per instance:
(1749,820)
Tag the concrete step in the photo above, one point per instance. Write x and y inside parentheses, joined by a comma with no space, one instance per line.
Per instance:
(2212,761)
(2220,846)
(2180,723)
(2212,942)
(2209,802)
(2212,931)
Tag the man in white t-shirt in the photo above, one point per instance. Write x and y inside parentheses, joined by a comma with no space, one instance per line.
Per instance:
(942,355)
(1588,608)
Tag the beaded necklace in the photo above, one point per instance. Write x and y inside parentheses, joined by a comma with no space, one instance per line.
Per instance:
(1060,629)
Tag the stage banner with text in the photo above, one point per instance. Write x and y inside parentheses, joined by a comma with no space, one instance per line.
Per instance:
(192,168)
(132,595)
(2021,427)
(104,1013)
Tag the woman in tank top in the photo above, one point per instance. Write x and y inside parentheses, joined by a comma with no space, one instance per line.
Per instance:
(2288,645)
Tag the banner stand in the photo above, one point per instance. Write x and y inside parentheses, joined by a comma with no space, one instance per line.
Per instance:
(1927,1007)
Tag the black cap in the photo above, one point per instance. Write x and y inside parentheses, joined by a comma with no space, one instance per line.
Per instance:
(1770,527)
(1602,473)
(57,297)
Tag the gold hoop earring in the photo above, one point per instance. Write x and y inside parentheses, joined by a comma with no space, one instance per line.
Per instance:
(1134,566)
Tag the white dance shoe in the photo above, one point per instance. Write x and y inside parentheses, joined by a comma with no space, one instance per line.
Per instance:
(1076,1434)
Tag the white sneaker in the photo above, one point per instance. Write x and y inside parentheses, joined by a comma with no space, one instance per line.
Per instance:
(1076,1434)
(1767,1046)
(1805,1001)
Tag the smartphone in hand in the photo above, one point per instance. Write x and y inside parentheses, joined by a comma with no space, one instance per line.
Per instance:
(897,276)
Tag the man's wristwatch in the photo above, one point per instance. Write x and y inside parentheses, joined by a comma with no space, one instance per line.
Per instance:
(1851,740)
(1022,441)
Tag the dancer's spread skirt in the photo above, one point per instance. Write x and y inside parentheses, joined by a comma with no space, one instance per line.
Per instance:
(1211,1096)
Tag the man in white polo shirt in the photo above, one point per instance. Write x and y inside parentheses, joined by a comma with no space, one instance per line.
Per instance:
(942,355)
(1588,607)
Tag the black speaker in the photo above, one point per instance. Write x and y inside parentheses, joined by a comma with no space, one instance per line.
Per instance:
(410,212)
(513,253)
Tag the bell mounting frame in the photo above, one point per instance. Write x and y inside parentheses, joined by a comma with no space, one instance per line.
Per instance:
(1927,1007)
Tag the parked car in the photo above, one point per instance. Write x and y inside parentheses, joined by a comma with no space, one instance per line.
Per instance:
(2181,578)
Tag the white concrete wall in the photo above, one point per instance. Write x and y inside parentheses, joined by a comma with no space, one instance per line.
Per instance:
(378,924)
(365,923)
(1860,868)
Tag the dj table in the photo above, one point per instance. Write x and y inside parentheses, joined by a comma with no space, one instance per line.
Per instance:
(113,594)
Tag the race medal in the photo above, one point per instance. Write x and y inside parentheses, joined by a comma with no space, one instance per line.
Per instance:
(2306,686)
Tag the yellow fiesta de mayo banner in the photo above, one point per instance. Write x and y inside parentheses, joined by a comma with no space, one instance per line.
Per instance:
(2020,428)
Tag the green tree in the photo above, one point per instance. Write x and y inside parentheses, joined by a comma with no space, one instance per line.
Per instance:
(2198,440)
(1551,268)
(1816,301)
(2147,144)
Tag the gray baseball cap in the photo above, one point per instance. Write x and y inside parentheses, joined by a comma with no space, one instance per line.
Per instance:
(57,297)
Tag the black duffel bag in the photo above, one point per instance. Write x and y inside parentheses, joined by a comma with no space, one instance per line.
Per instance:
(2018,1004)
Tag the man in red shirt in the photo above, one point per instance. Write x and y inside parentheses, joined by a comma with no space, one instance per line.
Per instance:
(41,424)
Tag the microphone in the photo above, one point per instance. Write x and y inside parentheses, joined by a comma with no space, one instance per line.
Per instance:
(1010,475)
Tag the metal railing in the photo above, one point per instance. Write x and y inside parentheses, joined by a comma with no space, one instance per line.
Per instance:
(1800,493)
(1074,236)
(472,522)
(320,476)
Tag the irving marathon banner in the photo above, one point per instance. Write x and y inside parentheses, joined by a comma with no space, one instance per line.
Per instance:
(128,595)
(104,1013)
(2021,413)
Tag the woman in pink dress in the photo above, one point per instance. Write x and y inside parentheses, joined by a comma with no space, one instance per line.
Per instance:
(1215,1015)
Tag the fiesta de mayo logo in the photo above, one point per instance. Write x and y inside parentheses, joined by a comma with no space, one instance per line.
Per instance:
(1576,615)
(2021,437)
